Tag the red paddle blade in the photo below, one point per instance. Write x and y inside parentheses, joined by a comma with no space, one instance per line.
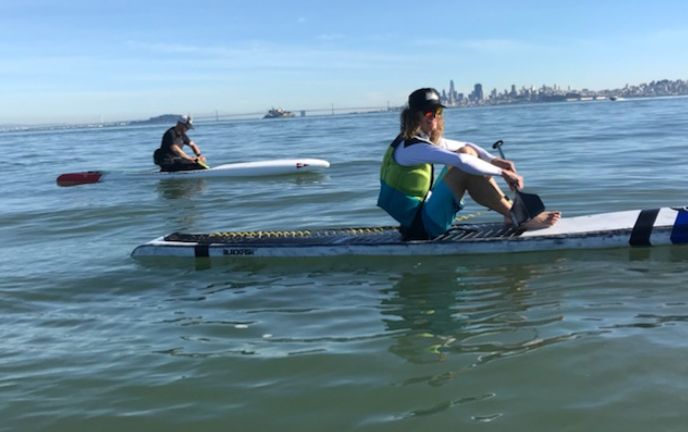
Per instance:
(76,179)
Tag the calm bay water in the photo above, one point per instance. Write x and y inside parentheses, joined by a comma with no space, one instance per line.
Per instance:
(94,340)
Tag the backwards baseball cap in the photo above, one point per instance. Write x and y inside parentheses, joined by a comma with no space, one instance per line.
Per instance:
(425,99)
(186,121)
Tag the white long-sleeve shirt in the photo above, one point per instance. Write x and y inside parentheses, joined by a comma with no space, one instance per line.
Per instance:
(444,153)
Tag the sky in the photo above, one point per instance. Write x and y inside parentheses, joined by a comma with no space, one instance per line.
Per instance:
(86,60)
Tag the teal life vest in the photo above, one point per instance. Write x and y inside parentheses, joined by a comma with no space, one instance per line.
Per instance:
(403,188)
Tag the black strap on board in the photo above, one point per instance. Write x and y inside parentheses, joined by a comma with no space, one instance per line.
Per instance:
(642,230)
(201,251)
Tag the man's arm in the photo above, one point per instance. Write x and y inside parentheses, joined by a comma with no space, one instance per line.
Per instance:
(196,150)
(453,145)
(181,153)
(428,153)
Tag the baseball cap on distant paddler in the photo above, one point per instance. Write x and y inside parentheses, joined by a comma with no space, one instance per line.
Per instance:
(425,99)
(186,121)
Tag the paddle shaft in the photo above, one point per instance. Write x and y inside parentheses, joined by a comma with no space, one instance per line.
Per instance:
(498,146)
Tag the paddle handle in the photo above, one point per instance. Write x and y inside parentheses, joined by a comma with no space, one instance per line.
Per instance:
(498,145)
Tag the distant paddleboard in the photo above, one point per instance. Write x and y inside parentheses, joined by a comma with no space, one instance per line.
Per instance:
(244,169)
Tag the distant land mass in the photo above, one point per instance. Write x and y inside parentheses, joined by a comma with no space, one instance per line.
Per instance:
(165,118)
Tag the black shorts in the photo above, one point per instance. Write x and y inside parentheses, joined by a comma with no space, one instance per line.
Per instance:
(179,165)
(416,231)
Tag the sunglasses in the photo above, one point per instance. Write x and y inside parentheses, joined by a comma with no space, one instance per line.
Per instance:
(435,113)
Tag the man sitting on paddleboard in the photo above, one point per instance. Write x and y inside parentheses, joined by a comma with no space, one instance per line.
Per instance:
(171,155)
(426,210)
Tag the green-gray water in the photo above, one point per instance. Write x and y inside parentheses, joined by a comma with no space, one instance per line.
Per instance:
(581,340)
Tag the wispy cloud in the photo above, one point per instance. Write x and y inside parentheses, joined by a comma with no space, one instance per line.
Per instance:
(669,36)
(488,45)
(259,54)
(330,37)
(499,45)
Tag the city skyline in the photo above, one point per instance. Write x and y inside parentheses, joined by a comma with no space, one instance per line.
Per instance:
(83,61)
(556,93)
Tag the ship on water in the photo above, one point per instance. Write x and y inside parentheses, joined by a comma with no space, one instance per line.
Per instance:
(278,113)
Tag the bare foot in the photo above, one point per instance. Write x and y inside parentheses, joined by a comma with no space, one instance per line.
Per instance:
(543,220)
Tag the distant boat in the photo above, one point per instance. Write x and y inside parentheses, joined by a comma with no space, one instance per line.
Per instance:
(278,113)
(615,98)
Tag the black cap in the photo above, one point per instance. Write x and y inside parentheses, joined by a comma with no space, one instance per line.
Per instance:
(425,99)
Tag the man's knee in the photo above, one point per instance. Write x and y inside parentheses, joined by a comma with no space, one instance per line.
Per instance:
(468,150)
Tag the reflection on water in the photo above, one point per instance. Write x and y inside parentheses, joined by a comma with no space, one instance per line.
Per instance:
(464,311)
(491,312)
(176,188)
(172,189)
(180,198)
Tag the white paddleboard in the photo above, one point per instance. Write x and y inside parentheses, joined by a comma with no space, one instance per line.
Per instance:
(633,228)
(243,169)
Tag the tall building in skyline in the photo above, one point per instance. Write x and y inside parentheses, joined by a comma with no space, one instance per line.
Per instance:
(452,93)
(477,94)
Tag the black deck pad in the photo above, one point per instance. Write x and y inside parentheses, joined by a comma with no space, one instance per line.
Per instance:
(349,236)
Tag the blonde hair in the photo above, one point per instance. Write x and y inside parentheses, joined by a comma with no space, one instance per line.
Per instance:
(410,125)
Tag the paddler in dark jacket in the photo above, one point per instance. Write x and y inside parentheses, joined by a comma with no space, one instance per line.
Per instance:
(171,155)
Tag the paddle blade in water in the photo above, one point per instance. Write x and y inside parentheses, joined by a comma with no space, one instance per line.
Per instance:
(75,179)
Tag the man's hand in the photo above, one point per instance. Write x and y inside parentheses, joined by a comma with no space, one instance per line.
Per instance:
(514,180)
(504,164)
